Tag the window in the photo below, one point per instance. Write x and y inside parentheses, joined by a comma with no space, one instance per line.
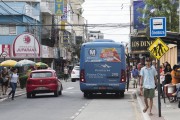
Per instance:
(7,30)
(41,75)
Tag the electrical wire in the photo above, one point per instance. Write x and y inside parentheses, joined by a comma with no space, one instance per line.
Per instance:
(19,13)
(5,10)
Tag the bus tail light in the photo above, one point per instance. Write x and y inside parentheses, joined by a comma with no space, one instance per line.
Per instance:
(82,76)
(123,76)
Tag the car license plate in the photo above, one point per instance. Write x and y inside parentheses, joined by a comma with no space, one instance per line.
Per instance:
(41,88)
(102,88)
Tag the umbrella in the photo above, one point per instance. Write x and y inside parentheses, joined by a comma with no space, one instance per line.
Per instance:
(8,63)
(41,64)
(25,63)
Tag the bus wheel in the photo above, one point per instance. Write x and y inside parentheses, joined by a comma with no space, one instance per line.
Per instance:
(85,94)
(117,94)
(122,93)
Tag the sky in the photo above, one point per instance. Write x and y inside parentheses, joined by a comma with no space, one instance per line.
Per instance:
(106,12)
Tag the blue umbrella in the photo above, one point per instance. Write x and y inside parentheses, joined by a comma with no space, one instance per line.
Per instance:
(25,62)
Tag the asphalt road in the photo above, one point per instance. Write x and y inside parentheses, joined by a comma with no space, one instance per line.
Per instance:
(71,105)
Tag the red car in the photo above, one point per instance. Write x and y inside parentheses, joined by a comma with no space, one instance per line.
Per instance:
(43,81)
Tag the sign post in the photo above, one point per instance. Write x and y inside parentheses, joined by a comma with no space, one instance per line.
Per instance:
(4,54)
(158,48)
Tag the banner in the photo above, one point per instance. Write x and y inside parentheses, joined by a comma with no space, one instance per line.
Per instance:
(59,7)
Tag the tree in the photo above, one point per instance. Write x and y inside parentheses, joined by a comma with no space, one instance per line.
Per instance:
(161,8)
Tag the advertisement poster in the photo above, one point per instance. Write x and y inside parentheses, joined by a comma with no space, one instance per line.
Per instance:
(102,55)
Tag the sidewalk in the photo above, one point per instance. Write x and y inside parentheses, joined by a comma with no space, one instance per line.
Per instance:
(169,111)
(19,92)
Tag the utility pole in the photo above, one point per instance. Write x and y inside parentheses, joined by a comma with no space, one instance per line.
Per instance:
(179,16)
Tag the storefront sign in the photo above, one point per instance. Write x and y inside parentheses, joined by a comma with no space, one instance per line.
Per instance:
(140,44)
(26,45)
(5,49)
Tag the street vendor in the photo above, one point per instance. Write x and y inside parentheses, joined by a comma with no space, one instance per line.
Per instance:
(175,77)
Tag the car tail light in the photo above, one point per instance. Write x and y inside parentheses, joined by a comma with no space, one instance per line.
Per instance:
(82,76)
(123,76)
(72,72)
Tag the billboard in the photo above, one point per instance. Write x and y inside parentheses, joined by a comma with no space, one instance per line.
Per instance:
(136,5)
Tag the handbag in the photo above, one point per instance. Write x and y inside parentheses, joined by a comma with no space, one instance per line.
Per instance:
(5,79)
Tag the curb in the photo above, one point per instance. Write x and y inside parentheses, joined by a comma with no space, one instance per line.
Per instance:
(16,95)
(140,102)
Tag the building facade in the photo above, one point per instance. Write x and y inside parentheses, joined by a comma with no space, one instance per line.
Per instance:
(40,31)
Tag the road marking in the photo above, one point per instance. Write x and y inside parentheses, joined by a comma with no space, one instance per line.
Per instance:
(69,88)
(79,111)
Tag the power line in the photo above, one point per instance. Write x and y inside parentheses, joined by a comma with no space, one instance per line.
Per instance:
(85,25)
(18,13)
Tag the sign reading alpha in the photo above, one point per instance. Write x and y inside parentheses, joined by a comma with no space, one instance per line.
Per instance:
(158,48)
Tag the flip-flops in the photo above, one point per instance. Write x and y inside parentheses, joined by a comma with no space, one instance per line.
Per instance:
(145,109)
(150,114)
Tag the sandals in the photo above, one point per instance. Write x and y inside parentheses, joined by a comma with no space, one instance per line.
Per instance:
(145,109)
(150,114)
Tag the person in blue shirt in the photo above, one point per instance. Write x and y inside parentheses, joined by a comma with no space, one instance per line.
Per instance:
(134,76)
(147,82)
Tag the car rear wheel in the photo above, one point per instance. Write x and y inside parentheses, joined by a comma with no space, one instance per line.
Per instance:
(60,92)
(56,93)
(33,95)
(28,95)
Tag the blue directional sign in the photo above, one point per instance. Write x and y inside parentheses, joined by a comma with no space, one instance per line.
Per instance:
(158,27)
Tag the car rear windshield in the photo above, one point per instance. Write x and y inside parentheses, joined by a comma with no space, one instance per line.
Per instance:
(41,75)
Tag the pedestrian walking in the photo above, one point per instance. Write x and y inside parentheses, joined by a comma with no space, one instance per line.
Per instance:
(1,85)
(167,72)
(5,80)
(134,76)
(14,80)
(147,82)
(65,73)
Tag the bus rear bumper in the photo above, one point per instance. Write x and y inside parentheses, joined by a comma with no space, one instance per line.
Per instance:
(99,88)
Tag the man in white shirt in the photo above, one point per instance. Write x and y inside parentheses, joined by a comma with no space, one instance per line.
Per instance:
(147,82)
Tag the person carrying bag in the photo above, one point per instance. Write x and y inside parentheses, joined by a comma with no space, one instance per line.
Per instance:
(5,80)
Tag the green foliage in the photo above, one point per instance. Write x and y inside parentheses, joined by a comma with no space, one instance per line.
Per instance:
(61,75)
(23,79)
(161,8)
